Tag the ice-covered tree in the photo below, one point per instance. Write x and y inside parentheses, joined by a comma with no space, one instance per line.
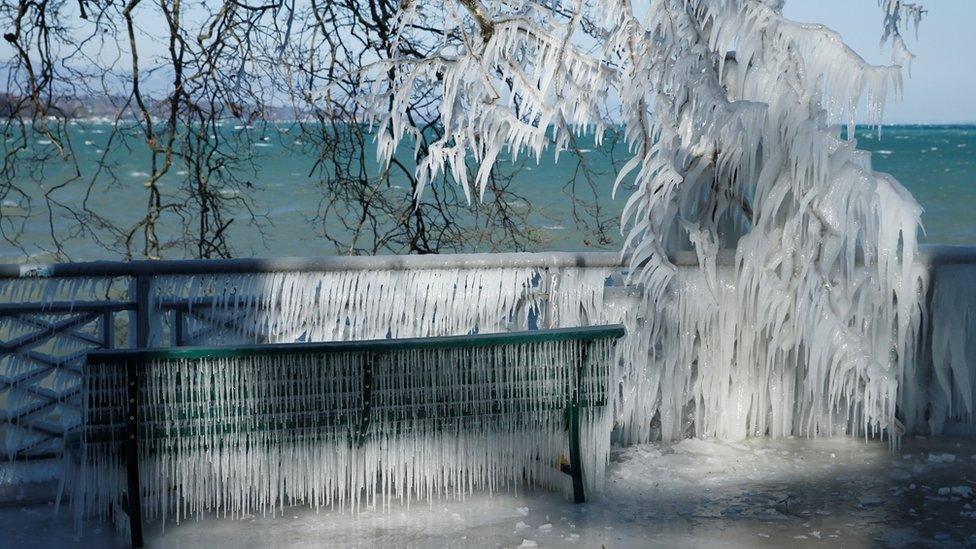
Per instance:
(733,114)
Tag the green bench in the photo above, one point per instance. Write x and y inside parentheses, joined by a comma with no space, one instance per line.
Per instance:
(176,432)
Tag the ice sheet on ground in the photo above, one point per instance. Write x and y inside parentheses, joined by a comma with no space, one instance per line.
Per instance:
(793,492)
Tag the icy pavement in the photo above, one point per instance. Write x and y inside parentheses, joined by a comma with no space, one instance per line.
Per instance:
(696,493)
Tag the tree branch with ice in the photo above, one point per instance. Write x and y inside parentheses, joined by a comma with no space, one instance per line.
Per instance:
(731,112)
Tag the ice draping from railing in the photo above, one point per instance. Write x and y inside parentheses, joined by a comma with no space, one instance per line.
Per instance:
(253,434)
(349,305)
(703,364)
(40,359)
(696,366)
(953,360)
(47,290)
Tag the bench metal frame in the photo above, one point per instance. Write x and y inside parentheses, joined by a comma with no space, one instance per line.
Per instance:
(132,359)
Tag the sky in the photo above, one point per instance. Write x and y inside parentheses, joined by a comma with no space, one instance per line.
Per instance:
(942,86)
(940,90)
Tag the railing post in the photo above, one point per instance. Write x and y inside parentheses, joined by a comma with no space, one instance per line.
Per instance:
(141,298)
(108,329)
(176,328)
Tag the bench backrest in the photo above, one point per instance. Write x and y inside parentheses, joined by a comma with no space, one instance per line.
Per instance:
(244,428)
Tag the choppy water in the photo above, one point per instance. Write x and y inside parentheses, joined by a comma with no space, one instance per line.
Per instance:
(936,163)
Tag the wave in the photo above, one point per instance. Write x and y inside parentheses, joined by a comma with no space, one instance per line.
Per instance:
(12,208)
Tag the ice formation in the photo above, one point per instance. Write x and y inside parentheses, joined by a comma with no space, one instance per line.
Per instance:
(953,361)
(254,434)
(39,357)
(732,112)
(813,325)
(349,305)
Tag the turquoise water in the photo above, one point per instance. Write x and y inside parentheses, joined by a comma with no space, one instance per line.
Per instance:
(936,163)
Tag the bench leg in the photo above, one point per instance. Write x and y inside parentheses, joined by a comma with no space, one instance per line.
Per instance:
(575,468)
(133,503)
(575,455)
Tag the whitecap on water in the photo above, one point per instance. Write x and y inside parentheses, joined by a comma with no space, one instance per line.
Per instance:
(12,208)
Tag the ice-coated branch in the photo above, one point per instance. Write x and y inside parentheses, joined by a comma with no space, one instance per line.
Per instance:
(730,111)
(894,12)
(477,11)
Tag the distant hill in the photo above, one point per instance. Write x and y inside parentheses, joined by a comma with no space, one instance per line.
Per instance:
(116,106)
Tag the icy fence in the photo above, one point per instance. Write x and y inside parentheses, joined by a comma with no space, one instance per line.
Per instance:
(679,372)
(51,316)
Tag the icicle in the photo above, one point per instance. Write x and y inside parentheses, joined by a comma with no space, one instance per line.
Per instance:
(255,434)
(953,316)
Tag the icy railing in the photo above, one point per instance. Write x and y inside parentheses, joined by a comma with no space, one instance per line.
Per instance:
(51,315)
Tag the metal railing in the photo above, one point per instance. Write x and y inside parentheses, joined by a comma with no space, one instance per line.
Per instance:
(45,339)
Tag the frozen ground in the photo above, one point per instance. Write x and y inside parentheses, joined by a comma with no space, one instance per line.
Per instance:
(837,492)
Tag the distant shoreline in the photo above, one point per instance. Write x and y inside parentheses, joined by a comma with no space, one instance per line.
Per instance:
(108,120)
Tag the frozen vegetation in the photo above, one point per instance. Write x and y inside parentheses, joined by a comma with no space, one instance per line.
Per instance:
(731,112)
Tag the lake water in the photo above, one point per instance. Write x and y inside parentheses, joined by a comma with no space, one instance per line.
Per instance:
(936,163)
